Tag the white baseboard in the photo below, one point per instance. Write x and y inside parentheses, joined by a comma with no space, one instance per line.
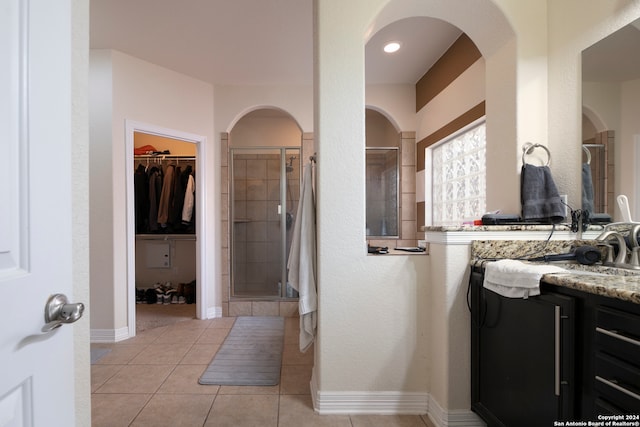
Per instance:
(390,403)
(109,335)
(452,418)
(214,312)
(115,335)
(355,403)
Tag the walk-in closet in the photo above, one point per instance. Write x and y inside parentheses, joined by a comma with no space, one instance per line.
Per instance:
(165,207)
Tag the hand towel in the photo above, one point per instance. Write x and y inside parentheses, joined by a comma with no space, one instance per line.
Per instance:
(539,195)
(515,279)
(587,189)
(302,260)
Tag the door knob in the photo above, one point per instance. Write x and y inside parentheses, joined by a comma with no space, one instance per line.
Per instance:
(59,311)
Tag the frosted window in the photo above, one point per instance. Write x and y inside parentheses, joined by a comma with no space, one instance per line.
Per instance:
(459,177)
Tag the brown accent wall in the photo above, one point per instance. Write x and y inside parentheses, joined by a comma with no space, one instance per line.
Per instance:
(453,126)
(460,56)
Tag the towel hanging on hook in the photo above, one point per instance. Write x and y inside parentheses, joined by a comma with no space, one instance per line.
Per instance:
(538,192)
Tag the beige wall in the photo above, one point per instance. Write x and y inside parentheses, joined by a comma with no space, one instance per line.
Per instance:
(123,90)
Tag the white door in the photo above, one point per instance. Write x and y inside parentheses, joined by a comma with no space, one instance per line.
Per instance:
(36,367)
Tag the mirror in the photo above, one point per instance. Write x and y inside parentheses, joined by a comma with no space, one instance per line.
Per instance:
(382,169)
(610,78)
(382,173)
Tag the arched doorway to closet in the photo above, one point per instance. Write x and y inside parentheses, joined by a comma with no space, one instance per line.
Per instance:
(164,226)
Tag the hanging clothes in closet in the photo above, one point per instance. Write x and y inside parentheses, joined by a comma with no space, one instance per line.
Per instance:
(141,189)
(155,189)
(164,198)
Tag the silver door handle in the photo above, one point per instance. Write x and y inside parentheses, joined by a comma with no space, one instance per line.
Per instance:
(59,311)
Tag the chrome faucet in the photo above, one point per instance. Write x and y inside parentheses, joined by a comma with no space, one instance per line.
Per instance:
(621,258)
(634,246)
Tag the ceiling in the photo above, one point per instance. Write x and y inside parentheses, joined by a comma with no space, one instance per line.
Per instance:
(253,42)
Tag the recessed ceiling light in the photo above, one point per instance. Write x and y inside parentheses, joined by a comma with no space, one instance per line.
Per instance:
(391,47)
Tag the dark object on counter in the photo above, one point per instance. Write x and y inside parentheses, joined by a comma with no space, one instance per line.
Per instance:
(599,218)
(585,255)
(500,219)
(410,249)
(378,249)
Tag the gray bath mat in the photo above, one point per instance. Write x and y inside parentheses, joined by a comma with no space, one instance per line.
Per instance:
(97,353)
(250,355)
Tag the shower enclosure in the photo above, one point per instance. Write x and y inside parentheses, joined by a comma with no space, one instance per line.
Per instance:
(265,190)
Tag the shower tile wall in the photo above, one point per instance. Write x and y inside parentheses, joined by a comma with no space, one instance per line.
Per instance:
(247,307)
(256,184)
(409,234)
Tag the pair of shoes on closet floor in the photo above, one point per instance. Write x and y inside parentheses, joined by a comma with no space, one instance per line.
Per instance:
(178,299)
(141,297)
(165,292)
(168,296)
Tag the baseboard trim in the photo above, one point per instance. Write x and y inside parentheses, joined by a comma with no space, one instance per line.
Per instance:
(109,335)
(214,312)
(454,418)
(381,403)
(358,403)
(390,403)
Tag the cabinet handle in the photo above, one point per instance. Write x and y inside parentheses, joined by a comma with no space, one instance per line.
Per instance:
(615,335)
(618,387)
(557,350)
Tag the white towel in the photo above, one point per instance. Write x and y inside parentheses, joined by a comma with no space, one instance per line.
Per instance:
(302,261)
(515,279)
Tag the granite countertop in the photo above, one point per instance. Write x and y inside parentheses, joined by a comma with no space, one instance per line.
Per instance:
(506,227)
(623,287)
(596,279)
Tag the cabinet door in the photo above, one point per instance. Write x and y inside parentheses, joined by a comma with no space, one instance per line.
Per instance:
(521,359)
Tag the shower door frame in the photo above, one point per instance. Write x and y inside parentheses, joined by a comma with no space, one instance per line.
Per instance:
(282,212)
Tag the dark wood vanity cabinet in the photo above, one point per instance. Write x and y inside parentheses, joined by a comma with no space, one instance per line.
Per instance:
(616,369)
(562,355)
(522,357)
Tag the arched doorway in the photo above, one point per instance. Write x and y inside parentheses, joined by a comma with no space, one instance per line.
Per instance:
(264,187)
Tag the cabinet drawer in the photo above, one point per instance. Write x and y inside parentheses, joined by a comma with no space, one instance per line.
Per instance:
(618,395)
(603,407)
(618,334)
(618,372)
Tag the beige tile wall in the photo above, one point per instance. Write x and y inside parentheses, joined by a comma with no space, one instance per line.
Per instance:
(247,307)
(409,234)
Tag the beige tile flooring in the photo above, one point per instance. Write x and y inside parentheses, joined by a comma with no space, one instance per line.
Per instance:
(152,380)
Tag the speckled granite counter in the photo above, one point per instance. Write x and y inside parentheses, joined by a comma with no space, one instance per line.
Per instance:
(464,234)
(511,227)
(610,282)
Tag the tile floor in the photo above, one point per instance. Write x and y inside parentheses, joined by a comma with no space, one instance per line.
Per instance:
(152,380)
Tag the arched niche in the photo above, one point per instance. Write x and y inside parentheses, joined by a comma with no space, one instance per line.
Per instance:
(266,126)
(488,27)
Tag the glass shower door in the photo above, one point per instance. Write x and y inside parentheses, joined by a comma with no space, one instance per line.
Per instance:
(265,189)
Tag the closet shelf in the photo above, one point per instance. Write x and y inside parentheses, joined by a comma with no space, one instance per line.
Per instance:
(166,237)
(241,220)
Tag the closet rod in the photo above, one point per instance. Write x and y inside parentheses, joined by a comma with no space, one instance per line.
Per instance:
(162,157)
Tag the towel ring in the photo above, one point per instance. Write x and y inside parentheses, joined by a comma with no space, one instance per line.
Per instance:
(528,148)
(588,153)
